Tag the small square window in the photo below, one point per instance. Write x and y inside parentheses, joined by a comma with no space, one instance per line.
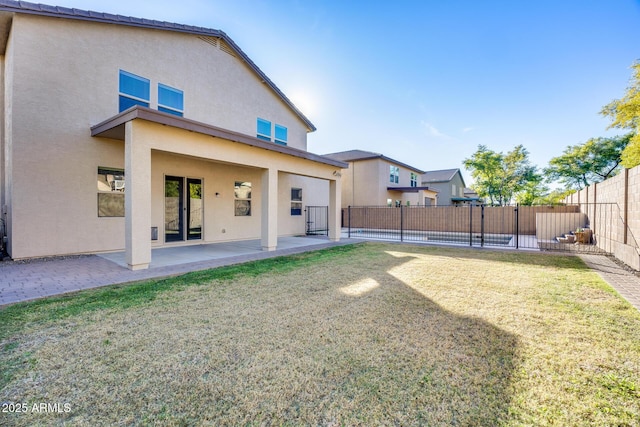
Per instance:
(133,90)
(281,135)
(170,100)
(264,129)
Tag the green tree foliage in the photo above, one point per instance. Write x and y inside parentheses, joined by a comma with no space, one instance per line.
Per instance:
(625,113)
(593,161)
(502,177)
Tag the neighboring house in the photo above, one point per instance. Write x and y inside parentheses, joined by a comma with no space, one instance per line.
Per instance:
(450,186)
(472,197)
(376,180)
(122,133)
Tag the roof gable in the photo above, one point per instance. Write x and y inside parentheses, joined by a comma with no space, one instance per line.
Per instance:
(8,6)
(444,175)
(356,155)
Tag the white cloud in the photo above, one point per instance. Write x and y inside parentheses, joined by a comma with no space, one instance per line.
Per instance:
(432,131)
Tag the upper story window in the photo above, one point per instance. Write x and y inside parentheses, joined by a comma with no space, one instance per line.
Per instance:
(281,135)
(170,100)
(264,129)
(414,180)
(394,174)
(134,90)
(264,132)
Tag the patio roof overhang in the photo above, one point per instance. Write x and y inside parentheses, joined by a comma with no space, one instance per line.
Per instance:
(114,128)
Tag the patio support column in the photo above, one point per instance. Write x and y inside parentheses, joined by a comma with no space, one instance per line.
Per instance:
(269,195)
(137,199)
(335,206)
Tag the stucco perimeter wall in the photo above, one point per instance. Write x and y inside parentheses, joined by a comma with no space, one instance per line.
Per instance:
(551,225)
(613,208)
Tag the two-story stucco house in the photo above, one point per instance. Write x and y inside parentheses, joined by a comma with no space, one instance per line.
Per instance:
(373,179)
(450,186)
(121,133)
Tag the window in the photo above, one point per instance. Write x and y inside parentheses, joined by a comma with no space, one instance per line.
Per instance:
(414,180)
(264,129)
(242,195)
(453,190)
(170,100)
(389,202)
(296,201)
(110,192)
(394,174)
(281,135)
(134,90)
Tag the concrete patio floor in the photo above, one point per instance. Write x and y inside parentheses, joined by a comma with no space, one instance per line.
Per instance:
(38,278)
(168,256)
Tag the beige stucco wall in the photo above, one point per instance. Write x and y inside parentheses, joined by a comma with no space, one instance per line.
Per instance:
(60,85)
(365,183)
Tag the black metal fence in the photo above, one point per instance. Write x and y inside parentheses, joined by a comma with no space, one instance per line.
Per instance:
(577,228)
(317,220)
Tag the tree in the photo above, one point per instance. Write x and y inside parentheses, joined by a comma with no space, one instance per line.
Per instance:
(500,177)
(625,113)
(533,192)
(593,161)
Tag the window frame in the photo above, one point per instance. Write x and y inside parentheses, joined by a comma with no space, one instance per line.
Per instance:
(296,200)
(278,134)
(132,98)
(110,202)
(242,205)
(166,108)
(394,174)
(260,134)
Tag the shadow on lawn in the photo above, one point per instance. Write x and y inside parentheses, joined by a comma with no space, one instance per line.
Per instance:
(341,341)
(432,365)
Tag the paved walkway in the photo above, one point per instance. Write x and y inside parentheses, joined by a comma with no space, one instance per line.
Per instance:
(626,283)
(22,281)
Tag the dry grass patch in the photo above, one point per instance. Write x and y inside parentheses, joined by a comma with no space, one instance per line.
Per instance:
(373,334)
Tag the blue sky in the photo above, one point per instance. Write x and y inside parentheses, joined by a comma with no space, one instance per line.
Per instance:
(425,82)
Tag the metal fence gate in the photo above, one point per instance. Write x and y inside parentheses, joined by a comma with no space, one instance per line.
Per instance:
(576,228)
(317,220)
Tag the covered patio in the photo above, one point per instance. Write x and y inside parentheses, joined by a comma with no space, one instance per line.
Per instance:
(241,250)
(146,133)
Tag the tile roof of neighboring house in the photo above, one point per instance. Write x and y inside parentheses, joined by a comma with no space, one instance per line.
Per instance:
(355,155)
(108,18)
(444,175)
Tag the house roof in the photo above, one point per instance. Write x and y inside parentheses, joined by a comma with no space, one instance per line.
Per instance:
(411,189)
(444,175)
(114,128)
(356,155)
(7,7)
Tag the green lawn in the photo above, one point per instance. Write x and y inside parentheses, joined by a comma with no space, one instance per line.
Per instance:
(368,334)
